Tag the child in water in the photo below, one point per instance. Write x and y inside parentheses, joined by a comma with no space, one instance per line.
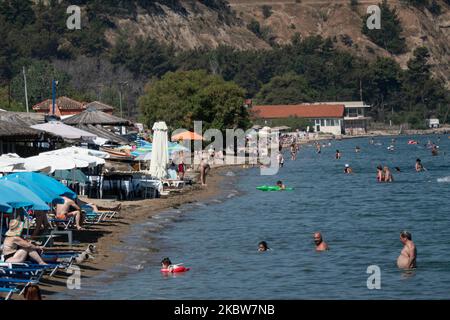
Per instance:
(281,185)
(262,246)
(166,264)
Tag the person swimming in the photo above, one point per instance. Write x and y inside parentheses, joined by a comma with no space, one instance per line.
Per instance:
(380,175)
(407,258)
(419,166)
(166,263)
(262,246)
(357,149)
(434,150)
(348,169)
(320,244)
(388,177)
(281,185)
(338,154)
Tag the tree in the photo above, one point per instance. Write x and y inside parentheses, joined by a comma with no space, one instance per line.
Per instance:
(286,89)
(182,97)
(382,86)
(389,36)
(39,83)
(422,93)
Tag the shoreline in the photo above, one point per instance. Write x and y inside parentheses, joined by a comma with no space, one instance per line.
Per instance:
(108,235)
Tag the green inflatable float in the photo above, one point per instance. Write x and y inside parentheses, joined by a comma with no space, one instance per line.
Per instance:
(273,188)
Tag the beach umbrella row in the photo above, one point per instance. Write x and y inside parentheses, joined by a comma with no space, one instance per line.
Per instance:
(29,190)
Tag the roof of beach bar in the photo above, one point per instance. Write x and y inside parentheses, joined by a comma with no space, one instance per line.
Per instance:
(94,116)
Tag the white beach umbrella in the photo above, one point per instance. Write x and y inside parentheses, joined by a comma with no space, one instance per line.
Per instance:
(160,151)
(78,154)
(55,162)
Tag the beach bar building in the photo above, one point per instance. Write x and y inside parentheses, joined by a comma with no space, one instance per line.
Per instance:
(355,116)
(326,118)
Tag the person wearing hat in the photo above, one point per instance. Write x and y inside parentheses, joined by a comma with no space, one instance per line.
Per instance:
(18,250)
(348,169)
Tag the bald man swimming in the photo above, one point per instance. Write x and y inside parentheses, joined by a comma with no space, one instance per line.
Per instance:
(320,244)
(407,257)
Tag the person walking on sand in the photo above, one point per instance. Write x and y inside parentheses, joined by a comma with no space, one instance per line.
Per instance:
(320,244)
(407,258)
(204,169)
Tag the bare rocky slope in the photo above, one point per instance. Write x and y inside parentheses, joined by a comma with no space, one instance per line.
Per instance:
(199,25)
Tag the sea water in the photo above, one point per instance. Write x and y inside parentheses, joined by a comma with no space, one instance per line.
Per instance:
(360,219)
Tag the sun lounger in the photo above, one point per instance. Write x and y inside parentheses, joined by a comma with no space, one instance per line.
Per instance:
(67,223)
(9,290)
(17,282)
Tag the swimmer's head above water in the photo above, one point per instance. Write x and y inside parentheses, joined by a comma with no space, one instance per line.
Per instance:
(404,236)
(165,263)
(262,246)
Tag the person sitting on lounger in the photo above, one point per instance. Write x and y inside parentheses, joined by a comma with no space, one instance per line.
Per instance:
(69,209)
(98,209)
(18,250)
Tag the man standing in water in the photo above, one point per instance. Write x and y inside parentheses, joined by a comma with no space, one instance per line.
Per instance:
(320,244)
(407,257)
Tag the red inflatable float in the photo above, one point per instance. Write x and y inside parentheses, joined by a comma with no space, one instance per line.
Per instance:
(412,142)
(175,269)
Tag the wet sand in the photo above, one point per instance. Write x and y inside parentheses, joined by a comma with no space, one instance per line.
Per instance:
(107,235)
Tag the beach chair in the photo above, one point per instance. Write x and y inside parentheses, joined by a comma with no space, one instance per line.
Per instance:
(9,290)
(66,224)
(96,217)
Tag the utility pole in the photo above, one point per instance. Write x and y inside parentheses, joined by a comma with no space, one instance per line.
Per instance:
(26,91)
(120,102)
(54,84)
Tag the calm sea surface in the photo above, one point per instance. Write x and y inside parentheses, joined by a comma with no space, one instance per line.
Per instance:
(359,218)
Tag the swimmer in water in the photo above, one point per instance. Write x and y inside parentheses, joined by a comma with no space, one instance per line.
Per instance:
(407,258)
(419,166)
(387,175)
(281,185)
(380,175)
(262,246)
(338,154)
(357,149)
(166,264)
(348,169)
(434,150)
(320,244)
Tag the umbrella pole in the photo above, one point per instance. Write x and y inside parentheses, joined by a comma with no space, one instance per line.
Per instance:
(1,228)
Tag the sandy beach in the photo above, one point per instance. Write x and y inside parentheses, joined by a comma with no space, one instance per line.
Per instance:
(106,235)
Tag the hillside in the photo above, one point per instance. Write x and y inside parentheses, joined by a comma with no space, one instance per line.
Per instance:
(199,25)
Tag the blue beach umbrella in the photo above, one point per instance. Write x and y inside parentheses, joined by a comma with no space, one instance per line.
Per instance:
(42,191)
(46,182)
(4,207)
(18,196)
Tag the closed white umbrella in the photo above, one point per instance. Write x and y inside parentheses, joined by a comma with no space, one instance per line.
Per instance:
(160,151)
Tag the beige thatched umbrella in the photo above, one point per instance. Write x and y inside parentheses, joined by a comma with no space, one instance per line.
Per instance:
(94,117)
